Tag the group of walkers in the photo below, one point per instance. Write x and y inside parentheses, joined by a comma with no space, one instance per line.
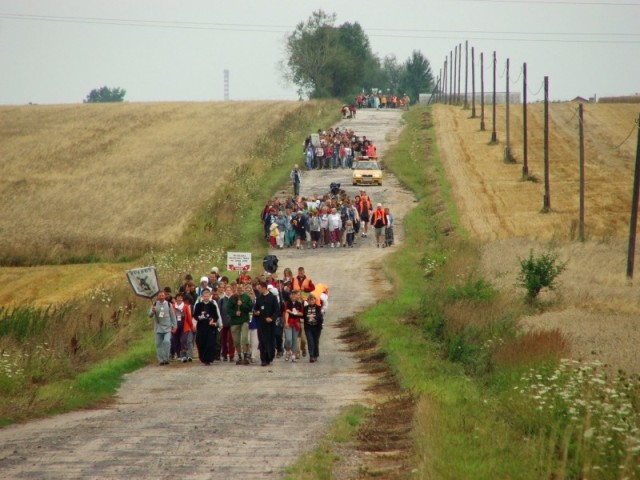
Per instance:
(333,220)
(336,148)
(383,101)
(245,321)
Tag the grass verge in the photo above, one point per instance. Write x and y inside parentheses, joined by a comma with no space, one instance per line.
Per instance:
(318,463)
(492,401)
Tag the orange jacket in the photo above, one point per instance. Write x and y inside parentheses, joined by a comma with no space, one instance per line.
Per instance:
(188,319)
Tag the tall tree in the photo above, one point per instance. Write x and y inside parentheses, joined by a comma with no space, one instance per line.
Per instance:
(324,60)
(105,94)
(417,76)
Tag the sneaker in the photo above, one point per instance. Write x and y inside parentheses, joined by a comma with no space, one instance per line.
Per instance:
(239,361)
(189,359)
(183,359)
(304,353)
(279,355)
(246,361)
(293,359)
(224,359)
(287,356)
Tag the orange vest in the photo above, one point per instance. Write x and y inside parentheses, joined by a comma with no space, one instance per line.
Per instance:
(378,214)
(305,286)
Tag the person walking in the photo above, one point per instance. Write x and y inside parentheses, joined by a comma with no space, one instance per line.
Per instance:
(164,325)
(296,179)
(227,345)
(293,312)
(379,222)
(313,320)
(209,320)
(239,310)
(266,311)
(183,316)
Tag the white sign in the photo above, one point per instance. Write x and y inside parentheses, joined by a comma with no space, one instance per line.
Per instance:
(239,261)
(144,281)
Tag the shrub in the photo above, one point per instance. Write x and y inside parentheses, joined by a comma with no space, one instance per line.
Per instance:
(537,273)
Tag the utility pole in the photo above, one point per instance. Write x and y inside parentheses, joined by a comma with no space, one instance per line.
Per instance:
(451,77)
(459,70)
(525,166)
(473,83)
(482,128)
(494,137)
(581,135)
(455,76)
(634,210)
(547,194)
(445,81)
(507,149)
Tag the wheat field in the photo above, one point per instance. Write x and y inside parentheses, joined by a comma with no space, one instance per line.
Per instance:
(116,179)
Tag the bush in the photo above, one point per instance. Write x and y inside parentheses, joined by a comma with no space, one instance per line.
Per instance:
(537,273)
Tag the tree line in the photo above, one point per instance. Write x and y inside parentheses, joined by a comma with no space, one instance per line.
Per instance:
(328,60)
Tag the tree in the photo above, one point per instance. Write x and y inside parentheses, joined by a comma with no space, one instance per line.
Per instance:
(417,75)
(105,94)
(394,73)
(324,60)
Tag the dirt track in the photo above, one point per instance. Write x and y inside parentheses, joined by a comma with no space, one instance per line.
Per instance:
(225,421)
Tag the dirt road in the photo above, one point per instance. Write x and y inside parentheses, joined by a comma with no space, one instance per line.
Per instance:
(226,421)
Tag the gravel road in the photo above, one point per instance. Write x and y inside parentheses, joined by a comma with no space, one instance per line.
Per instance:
(225,421)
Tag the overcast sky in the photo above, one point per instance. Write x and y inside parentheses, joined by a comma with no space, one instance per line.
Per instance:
(56,51)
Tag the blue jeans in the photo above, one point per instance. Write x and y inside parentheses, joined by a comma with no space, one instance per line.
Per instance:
(291,339)
(163,346)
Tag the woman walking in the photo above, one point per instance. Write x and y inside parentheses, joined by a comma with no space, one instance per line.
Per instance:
(313,326)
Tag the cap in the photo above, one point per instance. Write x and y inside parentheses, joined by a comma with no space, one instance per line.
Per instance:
(379,205)
(204,279)
(215,270)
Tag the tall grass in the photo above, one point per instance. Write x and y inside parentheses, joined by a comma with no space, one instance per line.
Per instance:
(454,341)
(53,360)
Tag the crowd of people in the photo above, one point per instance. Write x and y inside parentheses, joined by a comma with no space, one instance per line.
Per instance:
(382,100)
(264,318)
(246,321)
(336,148)
(332,220)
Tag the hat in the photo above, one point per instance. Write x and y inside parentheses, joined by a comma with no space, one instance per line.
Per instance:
(215,270)
(204,279)
(379,205)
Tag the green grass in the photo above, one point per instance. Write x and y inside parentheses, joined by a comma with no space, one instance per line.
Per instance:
(318,463)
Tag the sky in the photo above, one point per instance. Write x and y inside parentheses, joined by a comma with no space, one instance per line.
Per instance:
(57,51)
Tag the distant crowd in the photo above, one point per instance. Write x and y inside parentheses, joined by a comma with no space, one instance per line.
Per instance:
(336,148)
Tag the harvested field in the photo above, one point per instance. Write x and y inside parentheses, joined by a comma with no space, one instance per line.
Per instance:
(595,305)
(114,179)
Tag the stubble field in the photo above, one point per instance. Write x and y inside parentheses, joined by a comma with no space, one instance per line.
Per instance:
(112,180)
(596,306)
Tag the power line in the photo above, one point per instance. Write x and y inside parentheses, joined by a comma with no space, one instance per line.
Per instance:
(261,28)
(559,2)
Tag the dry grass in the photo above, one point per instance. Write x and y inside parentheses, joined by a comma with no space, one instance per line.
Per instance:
(532,348)
(108,181)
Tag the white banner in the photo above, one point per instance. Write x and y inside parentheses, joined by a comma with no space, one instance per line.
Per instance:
(239,261)
(144,281)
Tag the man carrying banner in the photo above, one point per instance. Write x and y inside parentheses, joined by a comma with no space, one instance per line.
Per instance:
(164,325)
